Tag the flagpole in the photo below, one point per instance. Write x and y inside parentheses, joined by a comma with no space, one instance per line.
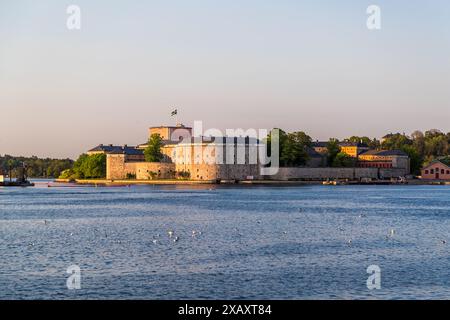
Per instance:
(175,113)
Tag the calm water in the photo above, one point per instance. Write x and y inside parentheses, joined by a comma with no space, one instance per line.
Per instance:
(255,243)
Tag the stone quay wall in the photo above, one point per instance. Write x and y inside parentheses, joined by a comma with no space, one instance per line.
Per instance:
(285,174)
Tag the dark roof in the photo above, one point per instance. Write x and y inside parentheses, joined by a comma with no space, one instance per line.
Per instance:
(179,126)
(385,153)
(323,144)
(206,140)
(235,140)
(319,144)
(117,149)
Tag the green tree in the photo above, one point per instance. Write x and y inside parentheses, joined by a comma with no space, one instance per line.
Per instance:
(333,149)
(153,151)
(436,145)
(396,141)
(293,150)
(282,140)
(95,166)
(87,167)
(416,159)
(372,143)
(35,167)
(343,160)
(419,142)
(12,164)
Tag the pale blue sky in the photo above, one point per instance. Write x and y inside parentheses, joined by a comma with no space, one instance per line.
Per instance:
(299,65)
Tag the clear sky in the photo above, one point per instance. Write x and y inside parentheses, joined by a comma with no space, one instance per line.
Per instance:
(295,64)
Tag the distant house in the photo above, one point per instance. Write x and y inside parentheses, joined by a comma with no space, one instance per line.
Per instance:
(436,170)
(2,177)
(353,149)
(384,159)
(320,147)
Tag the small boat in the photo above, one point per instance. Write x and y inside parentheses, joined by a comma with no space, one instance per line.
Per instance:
(16,184)
(335,183)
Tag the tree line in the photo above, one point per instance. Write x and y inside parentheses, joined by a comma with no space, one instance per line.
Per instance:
(86,167)
(34,167)
(421,147)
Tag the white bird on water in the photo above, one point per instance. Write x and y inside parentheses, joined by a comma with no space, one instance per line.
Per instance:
(176,239)
(170,233)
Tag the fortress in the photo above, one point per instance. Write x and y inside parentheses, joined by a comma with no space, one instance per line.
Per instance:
(202,158)
(216,159)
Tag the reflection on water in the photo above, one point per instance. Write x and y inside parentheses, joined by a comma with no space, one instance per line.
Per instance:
(233,242)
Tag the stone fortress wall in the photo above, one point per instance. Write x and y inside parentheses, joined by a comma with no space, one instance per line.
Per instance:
(119,168)
(286,174)
(206,159)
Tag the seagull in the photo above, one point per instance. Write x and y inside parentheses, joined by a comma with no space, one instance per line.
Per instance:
(349,242)
(444,241)
(170,233)
(176,239)
(155,241)
(392,232)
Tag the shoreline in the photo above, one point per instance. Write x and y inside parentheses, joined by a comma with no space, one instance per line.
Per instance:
(106,182)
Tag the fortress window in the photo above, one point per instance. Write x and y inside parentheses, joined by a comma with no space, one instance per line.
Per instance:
(427,172)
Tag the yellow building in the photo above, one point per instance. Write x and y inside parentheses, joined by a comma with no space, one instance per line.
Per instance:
(353,149)
(384,159)
(172,134)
